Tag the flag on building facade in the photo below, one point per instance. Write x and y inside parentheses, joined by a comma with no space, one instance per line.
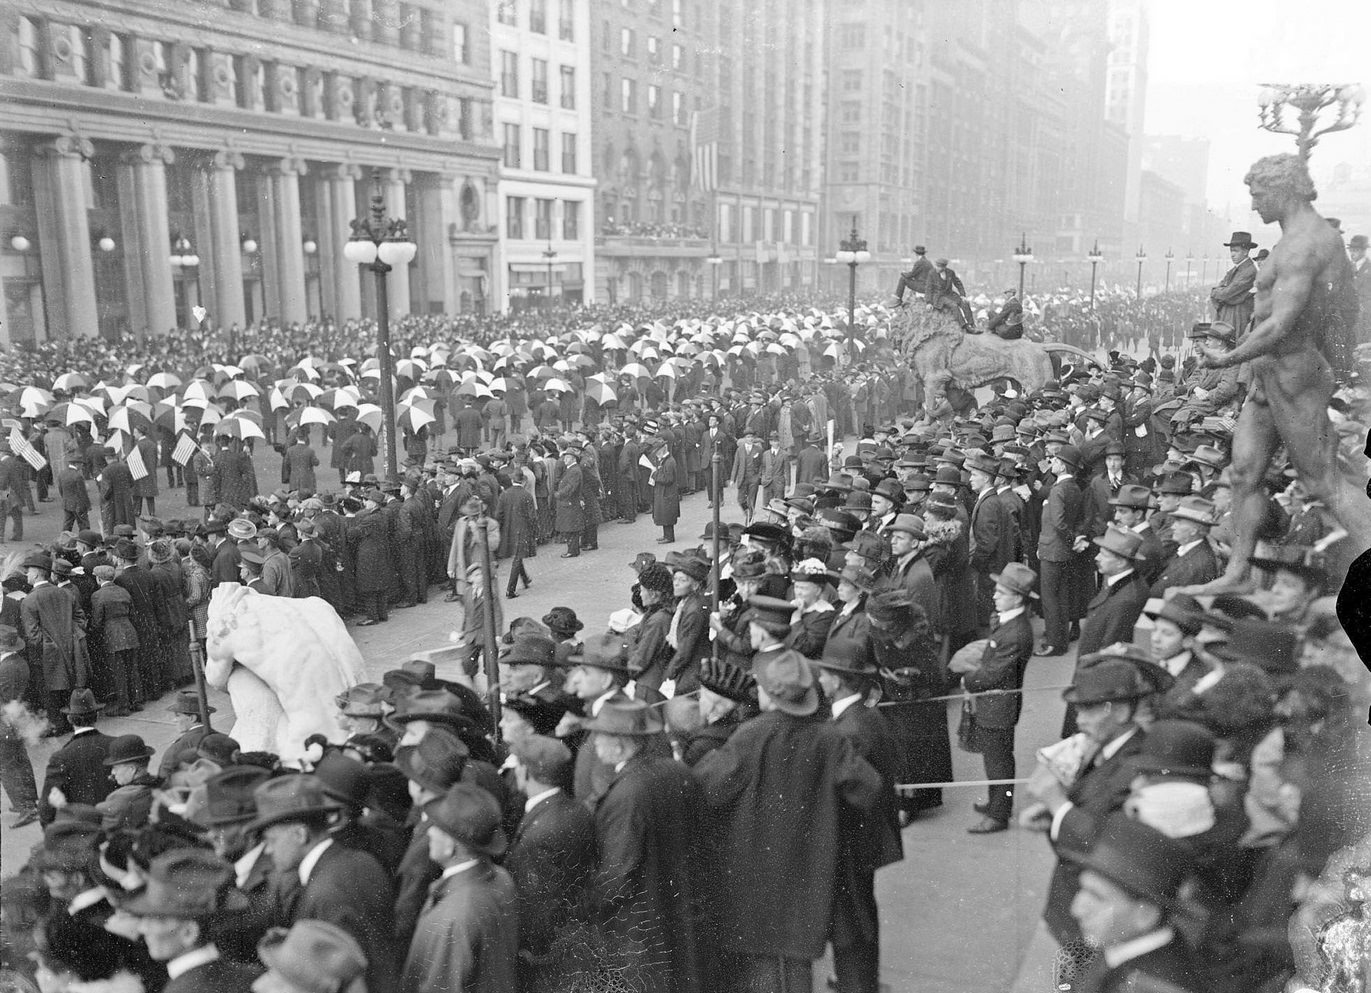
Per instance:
(25,450)
(704,149)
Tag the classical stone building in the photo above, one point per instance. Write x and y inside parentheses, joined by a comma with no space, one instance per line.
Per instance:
(156,155)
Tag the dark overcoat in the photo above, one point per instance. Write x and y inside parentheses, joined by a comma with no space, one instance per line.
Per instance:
(666,493)
(78,769)
(116,496)
(570,516)
(54,629)
(369,536)
(467,939)
(1002,666)
(552,860)
(1198,565)
(517,515)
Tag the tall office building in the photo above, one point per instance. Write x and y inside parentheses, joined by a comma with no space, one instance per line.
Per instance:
(652,223)
(1125,96)
(541,64)
(160,155)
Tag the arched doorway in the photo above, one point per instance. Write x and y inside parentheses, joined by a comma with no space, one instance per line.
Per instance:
(659,285)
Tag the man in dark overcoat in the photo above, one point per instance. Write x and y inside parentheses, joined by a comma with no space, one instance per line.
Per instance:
(570,516)
(517,516)
(54,628)
(994,533)
(1193,562)
(665,481)
(76,772)
(71,484)
(1059,541)
(775,793)
(369,538)
(115,484)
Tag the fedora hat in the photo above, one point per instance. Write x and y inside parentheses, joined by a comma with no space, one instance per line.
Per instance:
(313,956)
(562,620)
(1174,749)
(840,521)
(1175,484)
(531,649)
(1133,496)
(630,718)
(69,844)
(363,700)
(344,778)
(987,464)
(1240,239)
(862,578)
(1017,577)
(1181,609)
(470,815)
(1108,679)
(1070,454)
(290,798)
(190,884)
(1209,456)
(1197,509)
(433,706)
(128,748)
(1138,858)
(435,763)
(789,683)
(910,524)
(604,651)
(728,679)
(1125,544)
(229,796)
(188,702)
(890,489)
(37,560)
(82,702)
(847,655)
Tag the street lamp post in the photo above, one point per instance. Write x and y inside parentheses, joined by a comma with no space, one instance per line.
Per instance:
(852,253)
(1096,257)
(1204,271)
(548,255)
(1142,257)
(714,261)
(380,244)
(1022,255)
(1169,258)
(1189,261)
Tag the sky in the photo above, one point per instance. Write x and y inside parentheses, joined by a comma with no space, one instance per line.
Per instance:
(1208,59)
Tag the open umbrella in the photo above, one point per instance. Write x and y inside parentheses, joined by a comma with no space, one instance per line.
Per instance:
(370,415)
(254,362)
(305,416)
(476,389)
(237,389)
(68,414)
(637,370)
(70,381)
(343,396)
(412,418)
(34,400)
(410,368)
(131,415)
(300,392)
(556,386)
(164,381)
(414,393)
(601,394)
(235,426)
(666,369)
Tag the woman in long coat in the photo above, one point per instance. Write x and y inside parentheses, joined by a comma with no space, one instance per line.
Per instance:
(359,452)
(666,492)
(237,477)
(368,535)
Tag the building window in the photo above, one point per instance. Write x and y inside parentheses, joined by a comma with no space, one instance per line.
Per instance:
(514,217)
(505,12)
(850,143)
(654,49)
(571,220)
(568,152)
(628,96)
(852,36)
(848,172)
(29,61)
(850,112)
(607,37)
(654,100)
(626,42)
(678,110)
(677,57)
(460,52)
(16,179)
(540,149)
(118,78)
(194,91)
(540,80)
(566,15)
(509,74)
(852,80)
(678,13)
(568,94)
(537,16)
(608,92)
(542,219)
(511,146)
(79,39)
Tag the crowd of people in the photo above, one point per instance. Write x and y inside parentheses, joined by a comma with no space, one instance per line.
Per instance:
(624,828)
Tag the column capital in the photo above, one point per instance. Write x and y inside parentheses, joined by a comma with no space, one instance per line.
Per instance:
(210,160)
(397,175)
(150,153)
(342,170)
(290,165)
(67,145)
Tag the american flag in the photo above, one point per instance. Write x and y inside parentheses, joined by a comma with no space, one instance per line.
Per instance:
(137,468)
(185,448)
(25,450)
(704,149)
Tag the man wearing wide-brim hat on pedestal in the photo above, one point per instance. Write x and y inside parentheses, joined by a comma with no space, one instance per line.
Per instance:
(1107,691)
(1193,563)
(188,890)
(648,826)
(76,772)
(1232,296)
(776,878)
(1130,880)
(336,884)
(846,675)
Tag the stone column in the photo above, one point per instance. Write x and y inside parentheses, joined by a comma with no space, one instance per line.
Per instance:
(217,237)
(283,179)
(393,187)
(64,237)
(147,236)
(337,206)
(436,211)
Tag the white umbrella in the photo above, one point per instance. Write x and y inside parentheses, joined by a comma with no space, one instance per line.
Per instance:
(315,415)
(556,386)
(667,369)
(164,380)
(370,415)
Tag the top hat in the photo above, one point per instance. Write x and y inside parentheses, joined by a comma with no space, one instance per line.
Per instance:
(562,620)
(1138,858)
(1126,544)
(1133,497)
(1240,239)
(728,679)
(1017,577)
(190,884)
(313,956)
(128,748)
(631,718)
(789,683)
(290,798)
(229,796)
(1174,749)
(82,703)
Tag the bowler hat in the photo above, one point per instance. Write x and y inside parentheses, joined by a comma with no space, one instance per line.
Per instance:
(1174,749)
(435,763)
(344,778)
(630,718)
(1125,544)
(190,884)
(789,683)
(949,475)
(1017,577)
(1138,858)
(313,956)
(1132,496)
(1357,241)
(562,620)
(728,679)
(290,798)
(37,560)
(229,796)
(82,702)
(544,758)
(128,748)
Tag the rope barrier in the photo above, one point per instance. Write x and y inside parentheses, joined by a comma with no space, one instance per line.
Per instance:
(962,696)
(900,787)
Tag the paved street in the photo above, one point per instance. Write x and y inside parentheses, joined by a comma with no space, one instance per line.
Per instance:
(959,913)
